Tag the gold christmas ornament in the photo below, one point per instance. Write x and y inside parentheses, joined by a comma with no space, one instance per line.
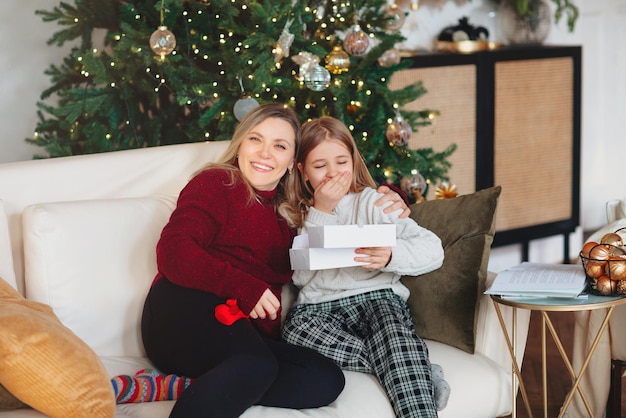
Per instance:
(587,248)
(338,60)
(621,287)
(162,41)
(612,238)
(600,252)
(594,268)
(446,191)
(356,41)
(606,286)
(616,268)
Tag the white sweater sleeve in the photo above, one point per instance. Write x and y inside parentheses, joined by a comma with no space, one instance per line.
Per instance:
(417,251)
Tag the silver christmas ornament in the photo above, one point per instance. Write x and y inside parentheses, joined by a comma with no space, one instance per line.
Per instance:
(243,106)
(317,79)
(395,17)
(417,182)
(399,131)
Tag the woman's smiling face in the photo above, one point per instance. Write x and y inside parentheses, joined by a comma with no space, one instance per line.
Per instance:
(266,153)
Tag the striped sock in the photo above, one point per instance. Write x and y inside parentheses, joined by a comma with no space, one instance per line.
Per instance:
(148,385)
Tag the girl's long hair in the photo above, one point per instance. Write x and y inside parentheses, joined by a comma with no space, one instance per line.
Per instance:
(228,161)
(313,133)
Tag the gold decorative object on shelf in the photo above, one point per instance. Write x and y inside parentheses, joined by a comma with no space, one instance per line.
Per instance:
(464,38)
(466,47)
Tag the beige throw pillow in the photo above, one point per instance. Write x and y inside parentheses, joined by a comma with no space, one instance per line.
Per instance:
(46,366)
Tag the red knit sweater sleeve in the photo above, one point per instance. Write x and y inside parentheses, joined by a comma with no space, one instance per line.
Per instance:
(198,249)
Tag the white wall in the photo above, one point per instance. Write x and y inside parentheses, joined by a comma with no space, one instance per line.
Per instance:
(600,30)
(23,60)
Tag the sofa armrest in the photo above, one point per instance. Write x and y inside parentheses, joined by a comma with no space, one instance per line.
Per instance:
(490,339)
(615,209)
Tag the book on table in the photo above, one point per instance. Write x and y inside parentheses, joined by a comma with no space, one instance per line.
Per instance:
(540,280)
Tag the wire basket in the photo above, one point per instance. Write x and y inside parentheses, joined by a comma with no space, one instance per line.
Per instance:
(605,267)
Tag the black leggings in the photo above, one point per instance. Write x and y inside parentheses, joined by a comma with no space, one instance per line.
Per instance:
(234,367)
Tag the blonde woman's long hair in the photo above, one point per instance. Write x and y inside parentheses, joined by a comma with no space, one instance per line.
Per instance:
(313,133)
(228,161)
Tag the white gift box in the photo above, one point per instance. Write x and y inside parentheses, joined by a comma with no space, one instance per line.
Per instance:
(352,236)
(326,247)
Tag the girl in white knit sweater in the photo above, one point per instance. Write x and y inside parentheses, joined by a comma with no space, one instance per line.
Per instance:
(358,316)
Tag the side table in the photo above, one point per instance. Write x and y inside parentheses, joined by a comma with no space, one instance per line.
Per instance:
(546,305)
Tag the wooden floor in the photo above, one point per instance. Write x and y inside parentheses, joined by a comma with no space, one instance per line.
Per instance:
(559,382)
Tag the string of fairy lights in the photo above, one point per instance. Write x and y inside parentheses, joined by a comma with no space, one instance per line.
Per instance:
(314,72)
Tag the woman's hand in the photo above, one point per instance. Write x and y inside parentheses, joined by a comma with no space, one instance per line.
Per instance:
(330,192)
(377,257)
(267,306)
(392,196)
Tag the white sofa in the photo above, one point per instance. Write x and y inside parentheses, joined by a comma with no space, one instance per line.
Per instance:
(596,382)
(113,206)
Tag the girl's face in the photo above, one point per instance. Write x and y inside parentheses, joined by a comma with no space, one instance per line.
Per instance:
(266,153)
(325,161)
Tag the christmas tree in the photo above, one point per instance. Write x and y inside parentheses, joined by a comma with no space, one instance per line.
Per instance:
(176,71)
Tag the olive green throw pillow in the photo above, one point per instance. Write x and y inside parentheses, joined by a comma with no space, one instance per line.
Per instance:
(444,302)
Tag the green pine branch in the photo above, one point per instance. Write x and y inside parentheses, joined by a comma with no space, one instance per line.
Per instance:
(119,95)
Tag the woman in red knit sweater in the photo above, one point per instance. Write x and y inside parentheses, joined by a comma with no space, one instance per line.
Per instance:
(213,311)
(225,241)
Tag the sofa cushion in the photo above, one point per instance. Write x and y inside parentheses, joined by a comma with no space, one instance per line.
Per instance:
(6,258)
(615,209)
(93,261)
(614,226)
(7,399)
(444,303)
(45,365)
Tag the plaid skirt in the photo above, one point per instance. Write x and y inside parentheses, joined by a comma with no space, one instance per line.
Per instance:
(371,333)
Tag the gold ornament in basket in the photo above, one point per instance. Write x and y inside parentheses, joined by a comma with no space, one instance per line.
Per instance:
(605,264)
